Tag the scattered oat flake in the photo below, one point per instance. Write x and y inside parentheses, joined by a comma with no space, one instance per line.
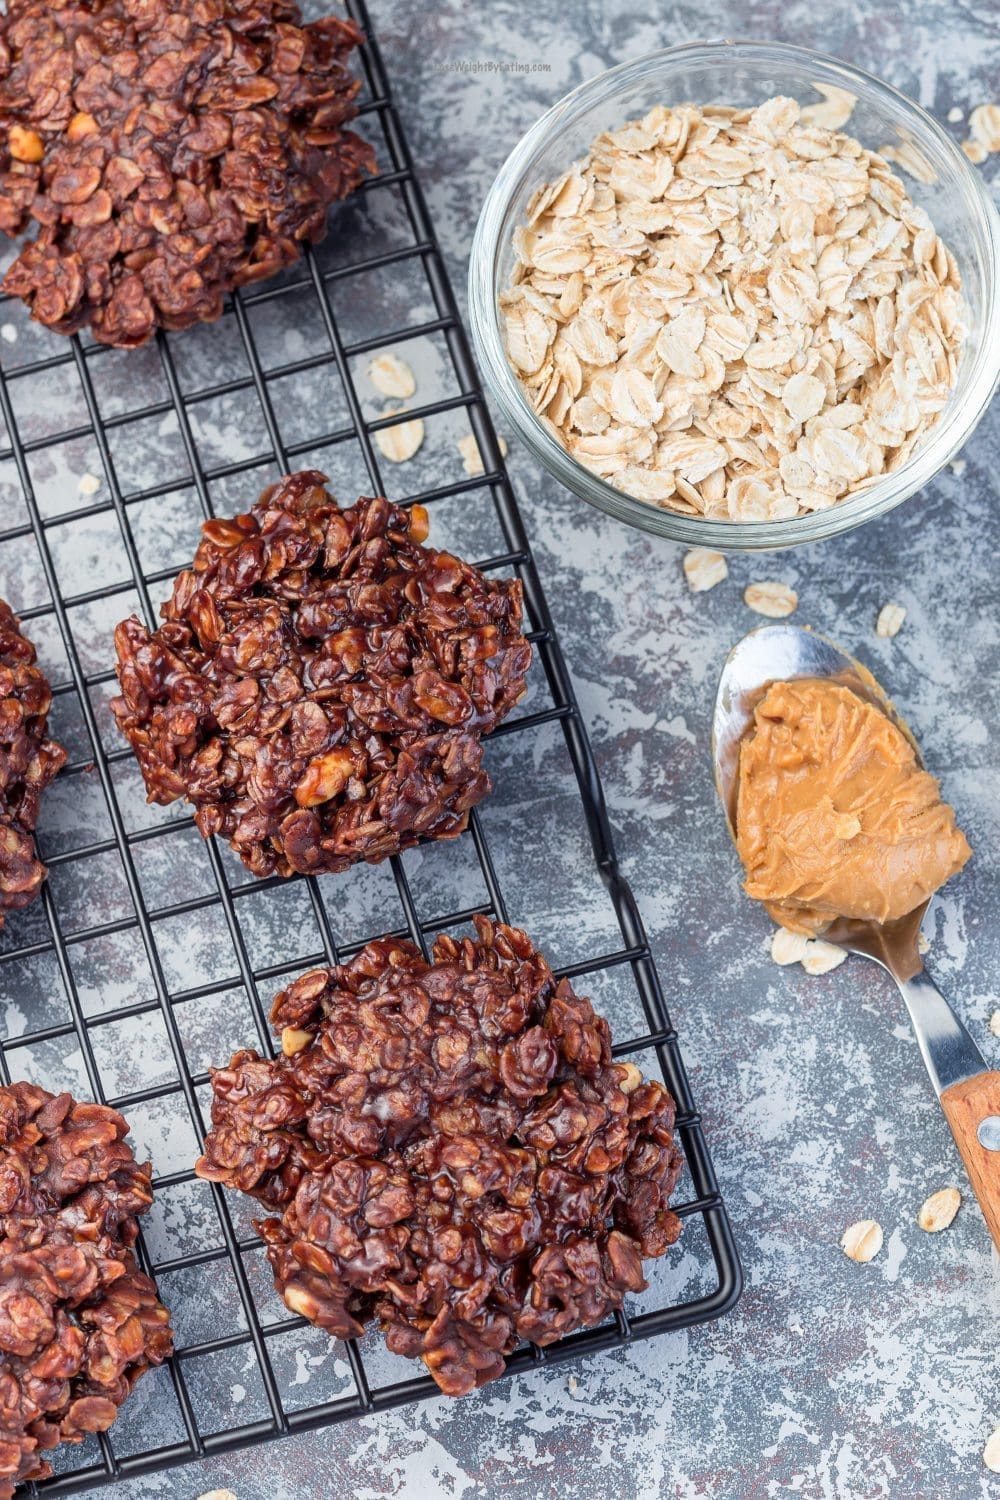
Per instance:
(984,126)
(572,1383)
(975,151)
(958,466)
(862,1241)
(991,1453)
(776,600)
(8,333)
(822,958)
(890,619)
(955,114)
(217,1495)
(392,376)
(400,442)
(937,1211)
(89,484)
(471,456)
(995,1023)
(923,943)
(704,568)
(788,947)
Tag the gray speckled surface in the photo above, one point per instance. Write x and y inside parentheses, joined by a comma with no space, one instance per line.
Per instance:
(829,1380)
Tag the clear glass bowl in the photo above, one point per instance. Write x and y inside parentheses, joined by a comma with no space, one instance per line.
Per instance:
(745,73)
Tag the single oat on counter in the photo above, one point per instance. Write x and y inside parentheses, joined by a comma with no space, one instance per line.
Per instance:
(400,442)
(735,313)
(704,568)
(937,1211)
(994,1023)
(975,151)
(775,600)
(472,459)
(788,947)
(984,126)
(862,1241)
(392,376)
(991,1452)
(822,958)
(890,620)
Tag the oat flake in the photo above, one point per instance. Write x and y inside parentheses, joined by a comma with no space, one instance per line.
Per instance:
(890,620)
(937,1211)
(991,1453)
(788,947)
(472,459)
(822,958)
(984,126)
(862,1241)
(704,568)
(400,442)
(392,376)
(776,600)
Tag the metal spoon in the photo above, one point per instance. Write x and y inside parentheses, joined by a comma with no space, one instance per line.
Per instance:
(969,1091)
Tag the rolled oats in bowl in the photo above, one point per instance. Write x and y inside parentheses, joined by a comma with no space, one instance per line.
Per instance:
(735,314)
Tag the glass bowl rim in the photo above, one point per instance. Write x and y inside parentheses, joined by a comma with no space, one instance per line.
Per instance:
(946,438)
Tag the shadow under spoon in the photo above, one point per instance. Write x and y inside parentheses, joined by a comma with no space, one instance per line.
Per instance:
(969,1091)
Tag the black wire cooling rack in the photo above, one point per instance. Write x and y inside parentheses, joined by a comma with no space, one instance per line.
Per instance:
(243,1368)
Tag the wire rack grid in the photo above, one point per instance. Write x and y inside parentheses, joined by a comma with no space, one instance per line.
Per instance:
(177,1415)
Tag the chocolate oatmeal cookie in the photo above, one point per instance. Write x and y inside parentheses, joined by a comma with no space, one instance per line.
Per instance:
(321,680)
(28,762)
(168,152)
(448,1148)
(79,1322)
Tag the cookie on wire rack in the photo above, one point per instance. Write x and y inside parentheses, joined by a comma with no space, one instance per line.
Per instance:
(28,762)
(321,681)
(79,1321)
(168,153)
(448,1148)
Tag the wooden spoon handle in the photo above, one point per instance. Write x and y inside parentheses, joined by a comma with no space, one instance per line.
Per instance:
(966,1106)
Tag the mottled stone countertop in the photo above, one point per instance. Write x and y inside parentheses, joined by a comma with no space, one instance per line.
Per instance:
(829,1379)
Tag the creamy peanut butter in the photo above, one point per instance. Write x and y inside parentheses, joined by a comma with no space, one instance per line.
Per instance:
(834,816)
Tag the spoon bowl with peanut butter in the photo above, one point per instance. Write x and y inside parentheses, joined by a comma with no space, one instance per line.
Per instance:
(843,834)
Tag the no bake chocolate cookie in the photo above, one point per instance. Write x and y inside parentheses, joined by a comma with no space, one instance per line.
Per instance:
(168,153)
(28,762)
(448,1148)
(79,1322)
(320,682)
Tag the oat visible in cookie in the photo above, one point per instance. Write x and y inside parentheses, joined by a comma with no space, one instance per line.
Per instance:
(454,1153)
(735,313)
(29,761)
(321,681)
(79,1320)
